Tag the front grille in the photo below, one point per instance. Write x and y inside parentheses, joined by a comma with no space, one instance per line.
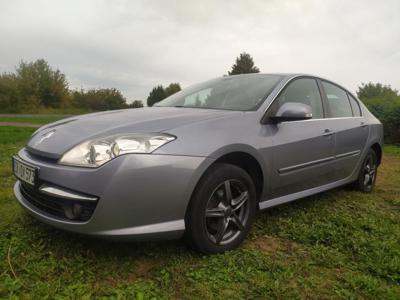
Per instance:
(64,209)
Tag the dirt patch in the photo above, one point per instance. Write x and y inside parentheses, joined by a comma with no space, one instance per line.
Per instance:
(144,266)
(20,124)
(266,244)
(141,269)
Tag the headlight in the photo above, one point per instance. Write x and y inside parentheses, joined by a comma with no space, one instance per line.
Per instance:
(94,153)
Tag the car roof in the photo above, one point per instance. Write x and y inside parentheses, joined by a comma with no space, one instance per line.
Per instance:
(288,76)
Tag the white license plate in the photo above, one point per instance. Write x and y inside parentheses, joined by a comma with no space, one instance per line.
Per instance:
(24,172)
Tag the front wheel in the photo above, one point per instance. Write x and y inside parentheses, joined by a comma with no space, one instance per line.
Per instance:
(221,210)
(367,176)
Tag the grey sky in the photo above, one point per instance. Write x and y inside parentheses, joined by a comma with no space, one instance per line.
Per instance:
(134,45)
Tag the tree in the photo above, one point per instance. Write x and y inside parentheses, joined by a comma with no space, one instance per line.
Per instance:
(136,104)
(99,99)
(9,95)
(244,64)
(156,95)
(384,103)
(172,89)
(375,90)
(37,80)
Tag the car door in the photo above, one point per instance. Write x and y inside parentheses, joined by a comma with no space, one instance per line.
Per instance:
(344,117)
(302,151)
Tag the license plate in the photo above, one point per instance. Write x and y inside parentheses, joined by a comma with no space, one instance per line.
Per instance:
(24,172)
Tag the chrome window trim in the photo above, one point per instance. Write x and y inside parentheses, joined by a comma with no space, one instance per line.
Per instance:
(297,76)
(322,119)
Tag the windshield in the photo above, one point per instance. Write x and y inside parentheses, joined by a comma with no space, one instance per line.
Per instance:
(231,93)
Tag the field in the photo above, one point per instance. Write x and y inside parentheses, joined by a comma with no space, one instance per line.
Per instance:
(31,119)
(339,244)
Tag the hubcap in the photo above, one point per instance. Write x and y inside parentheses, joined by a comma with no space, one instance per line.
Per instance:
(227,211)
(369,172)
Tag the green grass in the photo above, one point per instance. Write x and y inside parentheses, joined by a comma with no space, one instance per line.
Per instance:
(34,120)
(46,110)
(340,244)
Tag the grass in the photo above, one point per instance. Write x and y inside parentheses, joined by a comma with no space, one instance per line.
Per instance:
(339,244)
(46,111)
(33,120)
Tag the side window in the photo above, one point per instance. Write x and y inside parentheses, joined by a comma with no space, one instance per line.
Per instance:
(304,90)
(338,103)
(354,106)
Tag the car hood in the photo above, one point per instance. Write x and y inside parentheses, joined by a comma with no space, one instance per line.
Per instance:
(54,139)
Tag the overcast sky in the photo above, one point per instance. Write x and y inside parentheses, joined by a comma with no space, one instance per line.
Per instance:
(135,45)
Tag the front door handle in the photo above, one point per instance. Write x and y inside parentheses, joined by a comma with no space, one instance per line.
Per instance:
(328,132)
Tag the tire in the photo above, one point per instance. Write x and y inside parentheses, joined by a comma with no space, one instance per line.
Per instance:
(216,220)
(368,172)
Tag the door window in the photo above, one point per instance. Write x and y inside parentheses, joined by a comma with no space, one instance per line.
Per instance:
(304,90)
(355,106)
(338,103)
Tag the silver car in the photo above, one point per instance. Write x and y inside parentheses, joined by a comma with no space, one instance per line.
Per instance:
(200,163)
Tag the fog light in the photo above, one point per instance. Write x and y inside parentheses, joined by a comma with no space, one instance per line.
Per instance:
(73,211)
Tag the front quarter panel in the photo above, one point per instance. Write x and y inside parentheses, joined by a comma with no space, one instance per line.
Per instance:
(241,132)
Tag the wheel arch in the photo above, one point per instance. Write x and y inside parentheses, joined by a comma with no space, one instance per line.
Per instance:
(244,157)
(378,150)
(248,163)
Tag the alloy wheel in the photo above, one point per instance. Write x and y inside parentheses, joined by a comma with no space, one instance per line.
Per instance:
(227,211)
(369,172)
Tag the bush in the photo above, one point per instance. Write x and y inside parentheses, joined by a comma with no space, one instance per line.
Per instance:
(99,99)
(384,103)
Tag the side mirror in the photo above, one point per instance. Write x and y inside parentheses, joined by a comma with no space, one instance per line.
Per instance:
(292,111)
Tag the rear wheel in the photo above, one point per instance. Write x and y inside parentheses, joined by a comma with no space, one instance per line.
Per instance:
(221,210)
(367,176)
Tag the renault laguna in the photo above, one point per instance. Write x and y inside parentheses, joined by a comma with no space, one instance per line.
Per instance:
(200,163)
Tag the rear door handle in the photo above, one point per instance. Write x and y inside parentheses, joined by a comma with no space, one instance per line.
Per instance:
(328,132)
(363,124)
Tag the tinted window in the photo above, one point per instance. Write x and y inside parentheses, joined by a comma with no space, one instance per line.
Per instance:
(355,106)
(304,91)
(338,103)
(242,92)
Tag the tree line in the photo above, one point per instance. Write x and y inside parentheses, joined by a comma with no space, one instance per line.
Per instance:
(36,87)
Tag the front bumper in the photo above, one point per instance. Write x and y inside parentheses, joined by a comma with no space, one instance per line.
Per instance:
(139,196)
